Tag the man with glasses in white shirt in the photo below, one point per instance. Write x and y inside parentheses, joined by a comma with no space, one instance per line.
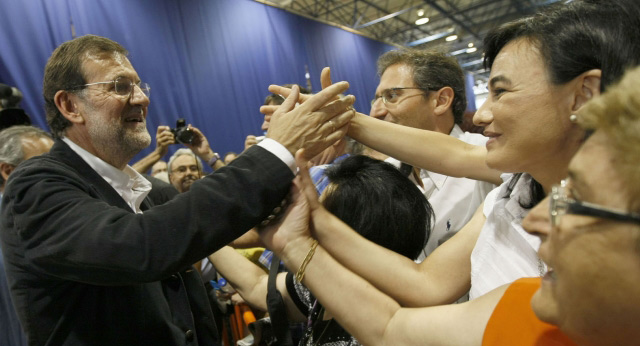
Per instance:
(426,90)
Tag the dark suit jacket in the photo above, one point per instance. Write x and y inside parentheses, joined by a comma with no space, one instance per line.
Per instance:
(85,270)
(161,192)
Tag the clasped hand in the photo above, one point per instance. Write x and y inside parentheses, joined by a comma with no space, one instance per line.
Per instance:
(319,121)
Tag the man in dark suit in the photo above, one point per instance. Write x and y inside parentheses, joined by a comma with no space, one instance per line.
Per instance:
(89,262)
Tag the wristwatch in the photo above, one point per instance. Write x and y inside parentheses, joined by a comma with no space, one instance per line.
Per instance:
(212,161)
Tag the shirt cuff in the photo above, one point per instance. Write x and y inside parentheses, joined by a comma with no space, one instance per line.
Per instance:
(281,152)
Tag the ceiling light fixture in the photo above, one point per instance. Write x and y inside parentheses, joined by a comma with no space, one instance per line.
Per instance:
(431,38)
(470,44)
(472,49)
(458,52)
(420,12)
(451,38)
(422,21)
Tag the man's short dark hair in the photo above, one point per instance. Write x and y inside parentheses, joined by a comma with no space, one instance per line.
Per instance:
(278,99)
(432,70)
(380,203)
(64,71)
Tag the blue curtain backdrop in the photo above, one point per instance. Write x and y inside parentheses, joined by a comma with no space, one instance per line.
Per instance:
(209,61)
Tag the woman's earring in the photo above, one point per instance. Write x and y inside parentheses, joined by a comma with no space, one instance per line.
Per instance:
(573,118)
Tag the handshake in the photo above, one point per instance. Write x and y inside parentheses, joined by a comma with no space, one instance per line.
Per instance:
(316,123)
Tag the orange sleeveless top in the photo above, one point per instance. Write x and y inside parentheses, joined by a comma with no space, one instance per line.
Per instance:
(513,322)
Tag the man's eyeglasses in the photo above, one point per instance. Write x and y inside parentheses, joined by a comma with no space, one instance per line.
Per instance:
(122,86)
(392,95)
(561,204)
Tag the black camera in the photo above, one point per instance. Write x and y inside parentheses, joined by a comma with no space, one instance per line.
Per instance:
(182,133)
(10,112)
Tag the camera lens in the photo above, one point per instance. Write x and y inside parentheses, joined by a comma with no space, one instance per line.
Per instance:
(184,135)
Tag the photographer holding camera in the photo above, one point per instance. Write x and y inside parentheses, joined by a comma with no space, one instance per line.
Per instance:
(190,136)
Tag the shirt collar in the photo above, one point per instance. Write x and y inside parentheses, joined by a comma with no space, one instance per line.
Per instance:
(129,184)
(437,178)
(456,131)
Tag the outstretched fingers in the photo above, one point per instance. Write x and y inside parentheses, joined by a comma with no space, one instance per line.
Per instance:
(339,111)
(285,92)
(325,96)
(290,102)
(268,109)
(325,77)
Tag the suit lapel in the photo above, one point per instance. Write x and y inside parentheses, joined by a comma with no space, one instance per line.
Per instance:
(62,152)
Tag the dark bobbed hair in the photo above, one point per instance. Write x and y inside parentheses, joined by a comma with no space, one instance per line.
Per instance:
(574,38)
(432,70)
(64,71)
(379,203)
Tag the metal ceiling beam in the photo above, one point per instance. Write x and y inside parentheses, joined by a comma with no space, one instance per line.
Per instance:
(431,38)
(398,18)
(454,19)
(456,9)
(438,22)
(518,5)
(389,16)
(337,7)
(356,23)
(436,19)
(472,63)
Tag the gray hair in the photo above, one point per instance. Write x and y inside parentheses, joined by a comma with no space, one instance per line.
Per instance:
(180,152)
(11,143)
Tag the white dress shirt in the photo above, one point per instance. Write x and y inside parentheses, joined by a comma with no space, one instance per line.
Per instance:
(504,251)
(128,183)
(454,200)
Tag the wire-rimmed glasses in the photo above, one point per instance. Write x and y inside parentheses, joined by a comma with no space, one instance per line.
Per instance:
(123,86)
(392,95)
(561,204)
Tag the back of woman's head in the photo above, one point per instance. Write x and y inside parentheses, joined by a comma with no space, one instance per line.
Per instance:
(576,37)
(381,204)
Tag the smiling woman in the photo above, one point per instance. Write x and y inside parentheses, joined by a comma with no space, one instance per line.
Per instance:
(544,69)
(591,296)
(593,289)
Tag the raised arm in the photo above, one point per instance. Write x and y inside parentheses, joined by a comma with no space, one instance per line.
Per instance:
(250,281)
(371,316)
(429,150)
(201,147)
(441,278)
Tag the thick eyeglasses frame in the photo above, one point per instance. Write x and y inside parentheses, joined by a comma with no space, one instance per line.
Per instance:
(385,91)
(128,91)
(561,204)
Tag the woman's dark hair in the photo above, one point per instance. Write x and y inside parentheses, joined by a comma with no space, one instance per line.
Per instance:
(381,204)
(574,38)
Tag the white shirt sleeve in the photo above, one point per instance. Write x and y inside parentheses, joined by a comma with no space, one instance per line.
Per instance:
(281,152)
